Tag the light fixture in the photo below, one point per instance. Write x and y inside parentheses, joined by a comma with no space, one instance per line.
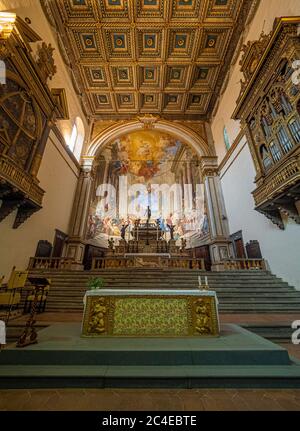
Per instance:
(7,21)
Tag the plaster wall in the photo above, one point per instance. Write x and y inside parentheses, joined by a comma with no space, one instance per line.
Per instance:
(280,248)
(58,177)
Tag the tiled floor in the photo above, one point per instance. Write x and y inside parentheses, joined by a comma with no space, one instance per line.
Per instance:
(142,400)
(157,400)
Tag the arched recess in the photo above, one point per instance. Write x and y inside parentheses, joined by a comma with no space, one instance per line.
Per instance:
(183,133)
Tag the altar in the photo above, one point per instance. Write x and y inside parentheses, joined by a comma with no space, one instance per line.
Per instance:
(150,313)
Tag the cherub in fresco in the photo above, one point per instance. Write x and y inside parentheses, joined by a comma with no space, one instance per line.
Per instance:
(121,167)
(148,170)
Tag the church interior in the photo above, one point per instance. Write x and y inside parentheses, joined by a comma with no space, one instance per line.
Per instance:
(149,205)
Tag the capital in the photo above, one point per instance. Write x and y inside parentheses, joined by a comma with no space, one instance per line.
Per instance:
(209,166)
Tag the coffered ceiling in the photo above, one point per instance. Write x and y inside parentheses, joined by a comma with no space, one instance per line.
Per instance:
(167,57)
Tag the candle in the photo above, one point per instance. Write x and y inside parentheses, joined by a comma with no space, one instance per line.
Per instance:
(206,281)
(200,281)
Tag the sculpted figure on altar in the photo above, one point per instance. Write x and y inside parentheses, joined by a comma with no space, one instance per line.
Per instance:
(123,231)
(148,214)
(183,244)
(172,230)
(111,244)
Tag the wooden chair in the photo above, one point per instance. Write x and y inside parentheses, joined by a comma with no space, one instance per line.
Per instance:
(10,294)
(41,300)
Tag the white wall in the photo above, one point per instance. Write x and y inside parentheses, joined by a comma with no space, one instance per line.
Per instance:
(280,248)
(58,177)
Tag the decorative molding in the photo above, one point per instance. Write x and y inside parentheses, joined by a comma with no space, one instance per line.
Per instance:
(45,61)
(59,95)
(232,149)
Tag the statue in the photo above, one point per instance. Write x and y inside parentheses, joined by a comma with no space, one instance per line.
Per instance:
(171,229)
(137,223)
(111,244)
(148,214)
(123,231)
(183,244)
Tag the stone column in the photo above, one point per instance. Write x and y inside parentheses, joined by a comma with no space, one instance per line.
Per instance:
(79,219)
(189,179)
(219,228)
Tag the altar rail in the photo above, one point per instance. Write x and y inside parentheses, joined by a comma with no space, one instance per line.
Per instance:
(50,263)
(244,264)
(159,262)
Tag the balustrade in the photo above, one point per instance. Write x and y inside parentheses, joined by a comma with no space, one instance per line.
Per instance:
(50,263)
(244,264)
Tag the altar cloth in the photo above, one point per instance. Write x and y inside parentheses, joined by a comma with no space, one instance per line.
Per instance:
(150,313)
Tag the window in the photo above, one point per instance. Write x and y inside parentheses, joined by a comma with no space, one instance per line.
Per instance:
(77,138)
(73,139)
(226,139)
(284,140)
(294,126)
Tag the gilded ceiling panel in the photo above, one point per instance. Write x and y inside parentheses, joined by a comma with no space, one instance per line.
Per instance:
(165,57)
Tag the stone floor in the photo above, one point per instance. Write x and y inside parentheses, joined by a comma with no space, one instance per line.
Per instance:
(157,400)
(143,400)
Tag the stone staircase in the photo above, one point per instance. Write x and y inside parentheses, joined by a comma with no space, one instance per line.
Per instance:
(238,291)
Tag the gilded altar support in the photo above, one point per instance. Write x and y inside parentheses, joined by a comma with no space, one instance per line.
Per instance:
(150,313)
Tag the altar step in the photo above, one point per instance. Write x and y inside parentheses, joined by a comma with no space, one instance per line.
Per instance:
(236,359)
(238,291)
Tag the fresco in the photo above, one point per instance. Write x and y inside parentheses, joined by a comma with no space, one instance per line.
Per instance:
(143,157)
(144,154)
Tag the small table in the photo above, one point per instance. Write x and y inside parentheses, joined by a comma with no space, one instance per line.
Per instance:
(150,313)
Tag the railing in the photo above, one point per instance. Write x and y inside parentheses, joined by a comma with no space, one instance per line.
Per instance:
(244,264)
(141,262)
(284,175)
(21,179)
(50,263)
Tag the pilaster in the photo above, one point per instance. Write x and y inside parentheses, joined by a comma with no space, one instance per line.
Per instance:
(219,228)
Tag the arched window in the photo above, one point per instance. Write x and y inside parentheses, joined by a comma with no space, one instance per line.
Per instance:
(226,139)
(73,139)
(77,138)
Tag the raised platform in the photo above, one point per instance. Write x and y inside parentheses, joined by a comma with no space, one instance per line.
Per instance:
(238,358)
